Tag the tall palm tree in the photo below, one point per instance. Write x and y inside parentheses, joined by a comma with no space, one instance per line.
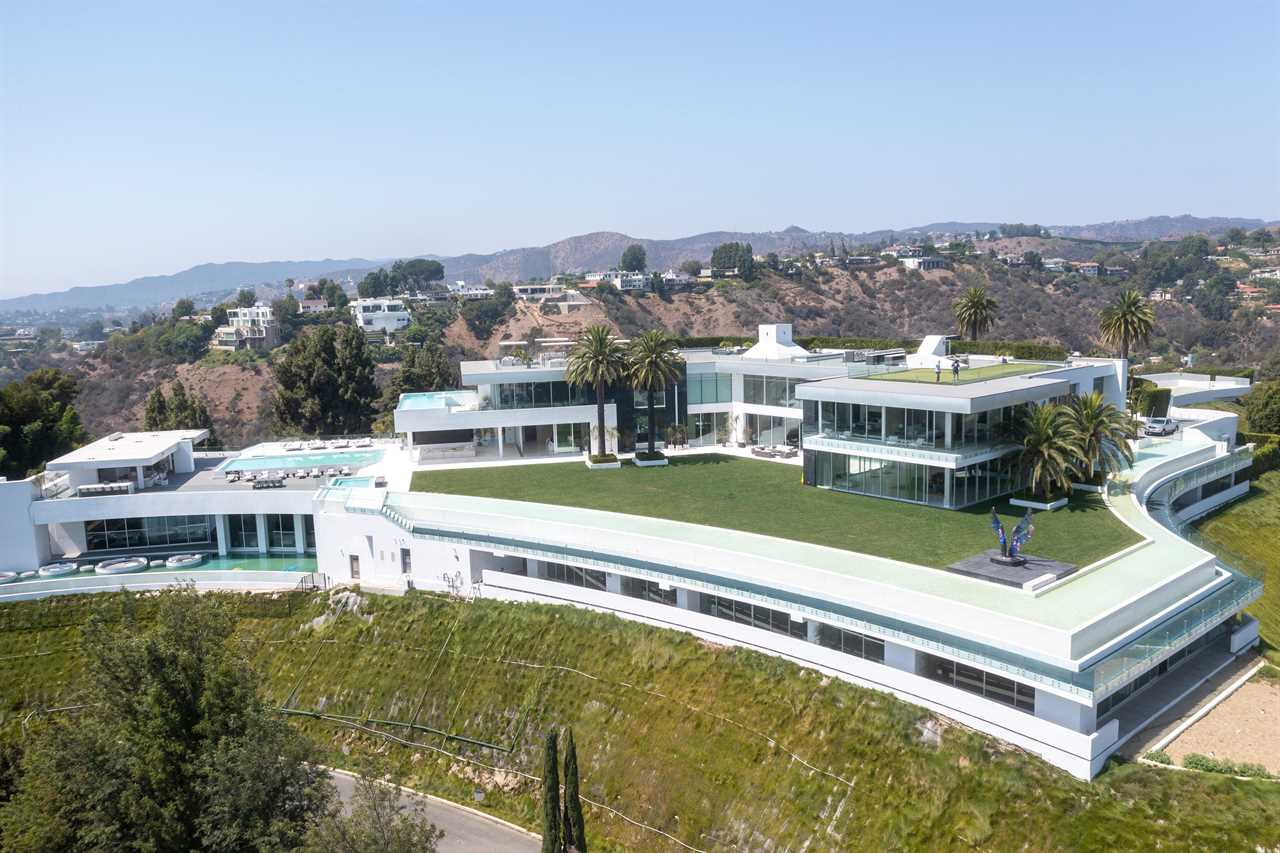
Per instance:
(1050,448)
(1103,432)
(653,363)
(595,361)
(975,312)
(1126,321)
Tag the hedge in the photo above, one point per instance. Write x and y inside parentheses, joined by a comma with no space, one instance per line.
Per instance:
(1030,350)
(710,341)
(828,342)
(1196,761)
(1266,457)
(1213,370)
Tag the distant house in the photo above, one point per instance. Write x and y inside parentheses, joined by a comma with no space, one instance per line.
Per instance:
(247,328)
(677,278)
(904,251)
(83,347)
(1248,292)
(465,291)
(1055,264)
(619,279)
(1088,269)
(380,316)
(1160,295)
(1115,272)
(709,273)
(924,263)
(312,306)
(1011,260)
(1269,273)
(538,290)
(862,260)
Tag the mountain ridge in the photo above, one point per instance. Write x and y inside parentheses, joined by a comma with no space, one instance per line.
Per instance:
(579,253)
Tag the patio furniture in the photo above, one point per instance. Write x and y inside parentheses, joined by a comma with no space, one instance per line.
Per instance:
(315,472)
(344,471)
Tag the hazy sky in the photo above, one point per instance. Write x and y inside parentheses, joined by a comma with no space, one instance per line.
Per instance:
(146,138)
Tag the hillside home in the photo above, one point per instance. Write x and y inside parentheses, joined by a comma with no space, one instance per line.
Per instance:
(252,328)
(380,316)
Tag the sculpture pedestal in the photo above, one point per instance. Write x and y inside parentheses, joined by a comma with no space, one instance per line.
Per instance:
(1000,560)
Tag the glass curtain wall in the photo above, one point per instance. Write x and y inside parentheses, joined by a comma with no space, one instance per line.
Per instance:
(280,532)
(904,481)
(770,430)
(710,388)
(242,532)
(114,533)
(533,395)
(771,391)
(709,428)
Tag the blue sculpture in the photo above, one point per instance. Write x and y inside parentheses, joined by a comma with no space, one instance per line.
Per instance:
(1011,545)
(1021,535)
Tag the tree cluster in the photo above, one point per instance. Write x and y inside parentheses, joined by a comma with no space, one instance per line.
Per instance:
(38,421)
(324,383)
(1021,229)
(563,829)
(180,410)
(483,315)
(730,255)
(633,259)
(413,276)
(171,747)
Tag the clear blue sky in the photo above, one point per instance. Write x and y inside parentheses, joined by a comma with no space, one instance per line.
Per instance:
(145,138)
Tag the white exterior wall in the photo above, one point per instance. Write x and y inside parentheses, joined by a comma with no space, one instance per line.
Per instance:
(25,545)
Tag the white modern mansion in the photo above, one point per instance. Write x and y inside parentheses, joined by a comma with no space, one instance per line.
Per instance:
(1068,669)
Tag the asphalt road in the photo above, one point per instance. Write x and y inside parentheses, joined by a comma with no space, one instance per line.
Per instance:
(465,831)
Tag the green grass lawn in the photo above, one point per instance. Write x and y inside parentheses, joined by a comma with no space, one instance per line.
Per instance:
(768,498)
(1246,534)
(704,742)
(967,374)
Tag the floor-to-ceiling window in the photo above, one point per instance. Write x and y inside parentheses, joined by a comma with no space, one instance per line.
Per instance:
(280,532)
(153,532)
(709,388)
(904,481)
(986,684)
(709,428)
(309,524)
(982,481)
(770,391)
(770,430)
(242,532)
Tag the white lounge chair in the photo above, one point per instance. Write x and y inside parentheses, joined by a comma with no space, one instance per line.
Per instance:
(331,472)
(315,444)
(315,472)
(344,471)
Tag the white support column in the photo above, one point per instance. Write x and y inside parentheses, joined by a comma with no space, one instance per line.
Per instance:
(948,476)
(946,431)
(299,534)
(220,524)
(502,439)
(688,599)
(811,630)
(141,478)
(261,521)
(613,583)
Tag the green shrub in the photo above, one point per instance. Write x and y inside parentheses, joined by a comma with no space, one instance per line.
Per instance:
(1159,756)
(646,456)
(828,342)
(1196,761)
(597,459)
(1156,404)
(1030,350)
(1266,458)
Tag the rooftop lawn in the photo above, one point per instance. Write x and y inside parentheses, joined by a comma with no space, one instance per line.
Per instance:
(967,374)
(769,498)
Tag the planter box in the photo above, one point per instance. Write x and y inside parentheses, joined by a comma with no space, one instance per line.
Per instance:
(1041,505)
(650,463)
(1087,487)
(601,466)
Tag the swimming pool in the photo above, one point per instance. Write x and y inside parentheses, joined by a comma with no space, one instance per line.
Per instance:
(293,461)
(353,482)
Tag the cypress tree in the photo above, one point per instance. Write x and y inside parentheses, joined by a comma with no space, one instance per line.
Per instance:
(575,832)
(552,832)
(156,416)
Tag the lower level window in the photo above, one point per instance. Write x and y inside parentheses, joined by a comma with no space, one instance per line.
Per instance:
(982,683)
(153,532)
(242,532)
(745,613)
(574,576)
(648,590)
(851,643)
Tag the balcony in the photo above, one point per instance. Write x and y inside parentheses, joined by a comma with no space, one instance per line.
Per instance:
(923,448)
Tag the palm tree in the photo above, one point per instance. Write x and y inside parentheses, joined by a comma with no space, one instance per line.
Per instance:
(1126,321)
(1103,432)
(1051,449)
(975,312)
(595,361)
(653,363)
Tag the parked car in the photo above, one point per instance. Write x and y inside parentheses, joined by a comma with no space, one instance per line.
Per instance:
(1160,426)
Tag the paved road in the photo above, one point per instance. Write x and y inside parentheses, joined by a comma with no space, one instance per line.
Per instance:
(465,831)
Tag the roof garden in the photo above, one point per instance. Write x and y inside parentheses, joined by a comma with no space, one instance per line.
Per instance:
(769,499)
(968,375)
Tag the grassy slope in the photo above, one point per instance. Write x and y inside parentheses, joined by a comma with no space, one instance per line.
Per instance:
(708,776)
(1246,534)
(768,498)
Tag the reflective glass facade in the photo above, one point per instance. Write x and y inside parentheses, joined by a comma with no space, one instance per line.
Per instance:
(117,533)
(770,391)
(710,388)
(532,395)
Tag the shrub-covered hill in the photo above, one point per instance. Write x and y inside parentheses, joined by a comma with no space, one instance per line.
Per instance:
(724,749)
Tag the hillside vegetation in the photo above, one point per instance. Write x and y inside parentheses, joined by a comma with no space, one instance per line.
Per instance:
(722,748)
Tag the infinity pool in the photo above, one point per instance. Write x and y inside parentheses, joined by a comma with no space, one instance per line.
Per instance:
(293,461)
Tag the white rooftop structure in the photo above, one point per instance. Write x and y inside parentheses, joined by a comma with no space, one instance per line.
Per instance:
(128,448)
(775,344)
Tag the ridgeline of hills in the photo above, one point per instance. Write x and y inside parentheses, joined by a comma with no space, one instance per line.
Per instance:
(598,250)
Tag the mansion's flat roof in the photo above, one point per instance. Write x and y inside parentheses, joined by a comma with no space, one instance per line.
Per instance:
(943,395)
(128,448)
